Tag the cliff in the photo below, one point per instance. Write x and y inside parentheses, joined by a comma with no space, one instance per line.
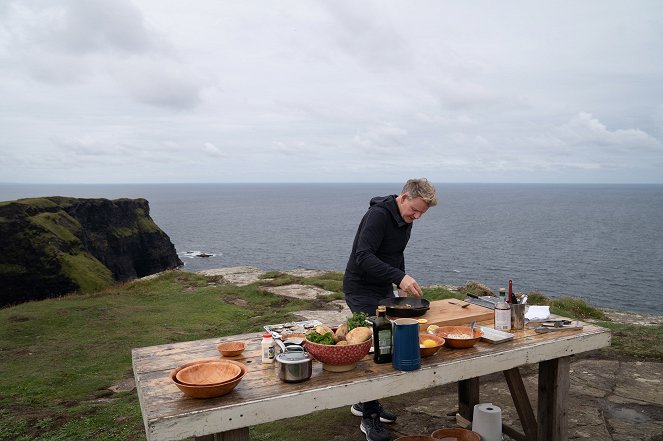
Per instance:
(55,245)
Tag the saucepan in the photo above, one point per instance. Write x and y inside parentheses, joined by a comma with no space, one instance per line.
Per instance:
(405,306)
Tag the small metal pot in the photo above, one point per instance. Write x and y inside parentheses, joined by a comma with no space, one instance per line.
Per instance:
(295,364)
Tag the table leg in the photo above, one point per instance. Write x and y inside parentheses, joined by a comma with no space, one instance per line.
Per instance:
(468,396)
(521,400)
(231,435)
(553,399)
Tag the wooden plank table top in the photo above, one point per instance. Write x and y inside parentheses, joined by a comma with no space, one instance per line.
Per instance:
(261,397)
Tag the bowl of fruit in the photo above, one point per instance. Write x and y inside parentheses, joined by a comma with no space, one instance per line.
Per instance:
(429,344)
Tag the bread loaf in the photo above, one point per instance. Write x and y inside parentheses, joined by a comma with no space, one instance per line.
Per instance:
(358,335)
(322,330)
(339,335)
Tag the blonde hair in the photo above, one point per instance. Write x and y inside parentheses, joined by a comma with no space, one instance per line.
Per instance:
(421,188)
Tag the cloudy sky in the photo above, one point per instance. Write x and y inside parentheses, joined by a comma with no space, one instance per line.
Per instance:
(117,91)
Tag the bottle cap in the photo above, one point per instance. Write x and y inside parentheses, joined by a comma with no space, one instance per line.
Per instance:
(266,335)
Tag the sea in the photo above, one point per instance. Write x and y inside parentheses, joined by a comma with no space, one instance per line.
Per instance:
(599,242)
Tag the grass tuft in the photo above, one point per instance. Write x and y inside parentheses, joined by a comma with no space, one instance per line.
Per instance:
(567,306)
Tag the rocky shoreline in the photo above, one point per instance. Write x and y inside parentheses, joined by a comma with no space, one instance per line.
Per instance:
(244,275)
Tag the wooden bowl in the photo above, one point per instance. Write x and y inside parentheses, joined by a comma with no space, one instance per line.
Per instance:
(455,433)
(427,352)
(458,343)
(415,438)
(337,358)
(231,348)
(208,374)
(216,390)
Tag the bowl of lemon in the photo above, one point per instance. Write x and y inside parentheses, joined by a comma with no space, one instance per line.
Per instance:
(429,344)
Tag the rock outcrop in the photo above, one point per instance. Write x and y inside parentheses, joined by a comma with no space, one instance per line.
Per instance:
(55,245)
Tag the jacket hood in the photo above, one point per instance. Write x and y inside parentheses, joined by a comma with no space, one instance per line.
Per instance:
(389,204)
(380,200)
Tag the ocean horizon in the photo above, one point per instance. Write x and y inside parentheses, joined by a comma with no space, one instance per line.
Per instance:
(599,242)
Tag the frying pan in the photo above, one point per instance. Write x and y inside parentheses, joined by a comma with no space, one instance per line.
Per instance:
(405,306)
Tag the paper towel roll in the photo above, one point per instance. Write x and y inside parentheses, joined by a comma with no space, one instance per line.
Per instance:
(487,421)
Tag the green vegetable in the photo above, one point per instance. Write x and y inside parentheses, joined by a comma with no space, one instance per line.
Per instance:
(324,339)
(357,320)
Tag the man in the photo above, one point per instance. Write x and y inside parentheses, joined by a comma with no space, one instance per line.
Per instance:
(376,263)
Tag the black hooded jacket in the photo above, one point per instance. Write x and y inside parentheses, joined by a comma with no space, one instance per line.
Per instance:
(377,258)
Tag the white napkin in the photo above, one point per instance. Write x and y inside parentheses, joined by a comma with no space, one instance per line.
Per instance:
(537,312)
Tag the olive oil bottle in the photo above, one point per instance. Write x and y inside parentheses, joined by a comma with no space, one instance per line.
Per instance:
(382,335)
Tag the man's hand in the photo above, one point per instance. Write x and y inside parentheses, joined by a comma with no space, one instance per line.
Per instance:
(411,287)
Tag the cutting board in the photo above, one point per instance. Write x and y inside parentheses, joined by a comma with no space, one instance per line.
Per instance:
(444,313)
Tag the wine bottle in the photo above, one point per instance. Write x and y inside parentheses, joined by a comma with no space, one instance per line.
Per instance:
(382,335)
(510,297)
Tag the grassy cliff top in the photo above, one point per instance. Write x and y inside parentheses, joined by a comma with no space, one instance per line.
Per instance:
(60,356)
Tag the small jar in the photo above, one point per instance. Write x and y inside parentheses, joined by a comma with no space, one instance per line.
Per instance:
(267,345)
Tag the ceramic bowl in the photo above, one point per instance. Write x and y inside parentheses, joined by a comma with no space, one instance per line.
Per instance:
(338,358)
(427,352)
(449,332)
(455,433)
(216,390)
(231,348)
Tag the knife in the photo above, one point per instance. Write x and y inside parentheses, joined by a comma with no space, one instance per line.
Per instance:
(477,301)
(546,329)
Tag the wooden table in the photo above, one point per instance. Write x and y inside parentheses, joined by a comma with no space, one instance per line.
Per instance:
(260,397)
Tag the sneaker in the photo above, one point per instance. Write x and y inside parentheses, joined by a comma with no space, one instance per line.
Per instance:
(385,415)
(373,429)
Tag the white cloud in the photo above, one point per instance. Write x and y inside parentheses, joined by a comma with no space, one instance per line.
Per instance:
(212,150)
(372,39)
(380,139)
(159,82)
(161,90)
(69,42)
(585,129)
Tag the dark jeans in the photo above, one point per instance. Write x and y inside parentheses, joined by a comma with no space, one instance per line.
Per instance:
(365,298)
(370,408)
(368,305)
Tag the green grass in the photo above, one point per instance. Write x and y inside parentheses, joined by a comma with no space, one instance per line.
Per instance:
(59,356)
(12,268)
(60,224)
(145,223)
(36,202)
(638,341)
(438,293)
(635,340)
(567,306)
(86,271)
